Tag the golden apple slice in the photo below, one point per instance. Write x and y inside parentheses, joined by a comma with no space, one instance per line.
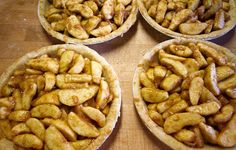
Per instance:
(44,64)
(73,97)
(63,127)
(82,9)
(95,115)
(163,106)
(209,133)
(161,9)
(103,95)
(50,80)
(228,83)
(154,95)
(46,110)
(187,81)
(163,54)
(225,114)
(171,82)
(223,72)
(74,27)
(192,65)
(55,140)
(180,50)
(76,78)
(81,127)
(28,94)
(210,79)
(205,109)
(28,141)
(207,96)
(185,135)
(96,70)
(159,73)
(48,98)
(192,28)
(47,121)
(36,127)
(156,117)
(81,81)
(145,81)
(81,144)
(20,128)
(226,137)
(197,55)
(78,64)
(101,30)
(180,17)
(178,107)
(19,115)
(231,92)
(195,90)
(211,52)
(66,60)
(177,121)
(108,9)
(175,66)
(92,22)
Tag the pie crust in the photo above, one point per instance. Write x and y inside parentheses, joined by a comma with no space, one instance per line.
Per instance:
(212,35)
(43,4)
(141,106)
(108,72)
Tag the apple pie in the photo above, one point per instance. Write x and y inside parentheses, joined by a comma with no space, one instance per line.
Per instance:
(87,21)
(201,19)
(59,97)
(184,92)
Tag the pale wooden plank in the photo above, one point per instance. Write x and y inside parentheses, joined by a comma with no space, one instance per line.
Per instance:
(20,32)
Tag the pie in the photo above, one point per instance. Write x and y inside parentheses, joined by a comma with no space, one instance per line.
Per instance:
(58,97)
(87,21)
(184,92)
(201,19)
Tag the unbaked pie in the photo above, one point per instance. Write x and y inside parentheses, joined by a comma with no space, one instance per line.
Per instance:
(202,19)
(184,92)
(59,97)
(87,21)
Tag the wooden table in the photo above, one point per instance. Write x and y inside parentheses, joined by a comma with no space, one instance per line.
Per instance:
(21,32)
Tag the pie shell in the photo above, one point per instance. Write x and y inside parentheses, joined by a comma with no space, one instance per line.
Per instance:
(108,73)
(43,5)
(212,35)
(141,106)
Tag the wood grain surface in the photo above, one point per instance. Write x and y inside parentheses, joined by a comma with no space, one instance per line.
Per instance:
(21,32)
